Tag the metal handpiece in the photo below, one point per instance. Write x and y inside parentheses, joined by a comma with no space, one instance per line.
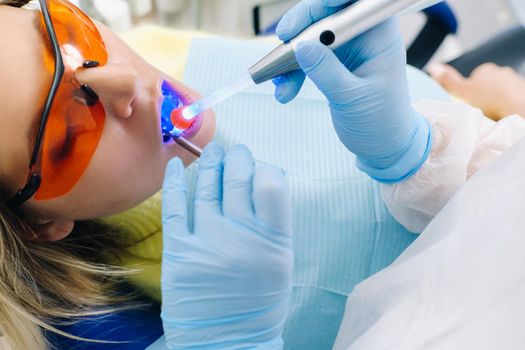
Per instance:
(333,31)
(188,146)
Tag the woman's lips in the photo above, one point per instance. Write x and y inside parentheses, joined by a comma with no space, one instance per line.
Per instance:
(186,97)
(194,128)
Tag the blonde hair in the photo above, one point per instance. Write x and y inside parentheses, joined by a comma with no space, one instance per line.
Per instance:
(47,284)
(51,283)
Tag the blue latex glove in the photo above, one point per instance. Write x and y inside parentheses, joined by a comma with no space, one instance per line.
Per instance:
(365,83)
(226,278)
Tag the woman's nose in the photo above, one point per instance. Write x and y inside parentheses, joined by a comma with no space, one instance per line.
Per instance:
(115,85)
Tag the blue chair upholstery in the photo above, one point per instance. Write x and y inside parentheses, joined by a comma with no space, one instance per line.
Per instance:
(441,22)
(133,330)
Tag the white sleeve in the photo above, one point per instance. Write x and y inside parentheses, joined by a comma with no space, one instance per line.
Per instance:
(464,141)
(458,286)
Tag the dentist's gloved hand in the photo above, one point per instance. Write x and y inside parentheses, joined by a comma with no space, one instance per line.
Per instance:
(365,83)
(226,276)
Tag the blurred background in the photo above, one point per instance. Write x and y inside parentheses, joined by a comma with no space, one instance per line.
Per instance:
(477,21)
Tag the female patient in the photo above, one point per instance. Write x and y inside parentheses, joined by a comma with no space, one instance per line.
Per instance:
(42,281)
(48,273)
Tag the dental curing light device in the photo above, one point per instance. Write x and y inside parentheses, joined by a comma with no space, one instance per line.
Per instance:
(332,31)
(170,130)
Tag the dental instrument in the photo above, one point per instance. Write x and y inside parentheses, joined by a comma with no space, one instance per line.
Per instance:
(188,146)
(182,118)
(332,31)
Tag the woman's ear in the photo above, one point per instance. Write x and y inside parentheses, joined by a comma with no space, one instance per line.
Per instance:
(52,231)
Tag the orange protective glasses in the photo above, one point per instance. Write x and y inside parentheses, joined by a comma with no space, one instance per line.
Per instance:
(73,118)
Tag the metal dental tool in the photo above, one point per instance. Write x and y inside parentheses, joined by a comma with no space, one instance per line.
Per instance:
(188,146)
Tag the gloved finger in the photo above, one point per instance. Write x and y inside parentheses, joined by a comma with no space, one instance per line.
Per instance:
(271,199)
(238,176)
(174,204)
(288,86)
(304,14)
(174,223)
(371,44)
(208,192)
(381,63)
(323,67)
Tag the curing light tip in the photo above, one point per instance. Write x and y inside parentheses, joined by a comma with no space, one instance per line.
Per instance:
(179,118)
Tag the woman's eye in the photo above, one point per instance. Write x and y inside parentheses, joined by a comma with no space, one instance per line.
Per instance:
(63,146)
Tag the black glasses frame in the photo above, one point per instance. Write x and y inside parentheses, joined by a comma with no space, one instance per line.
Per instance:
(34,180)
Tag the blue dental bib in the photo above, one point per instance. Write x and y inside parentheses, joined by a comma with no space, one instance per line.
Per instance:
(343,232)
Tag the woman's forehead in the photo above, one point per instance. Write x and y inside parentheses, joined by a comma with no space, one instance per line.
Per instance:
(20,33)
(24,79)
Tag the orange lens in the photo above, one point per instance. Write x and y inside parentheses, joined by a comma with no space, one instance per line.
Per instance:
(73,128)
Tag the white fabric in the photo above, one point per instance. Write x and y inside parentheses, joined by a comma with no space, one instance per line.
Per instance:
(463,142)
(461,285)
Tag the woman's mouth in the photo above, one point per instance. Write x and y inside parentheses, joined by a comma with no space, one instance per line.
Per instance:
(174,98)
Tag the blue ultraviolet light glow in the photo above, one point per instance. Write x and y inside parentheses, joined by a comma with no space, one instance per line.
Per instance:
(171,102)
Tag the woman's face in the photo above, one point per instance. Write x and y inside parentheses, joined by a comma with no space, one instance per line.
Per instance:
(128,165)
